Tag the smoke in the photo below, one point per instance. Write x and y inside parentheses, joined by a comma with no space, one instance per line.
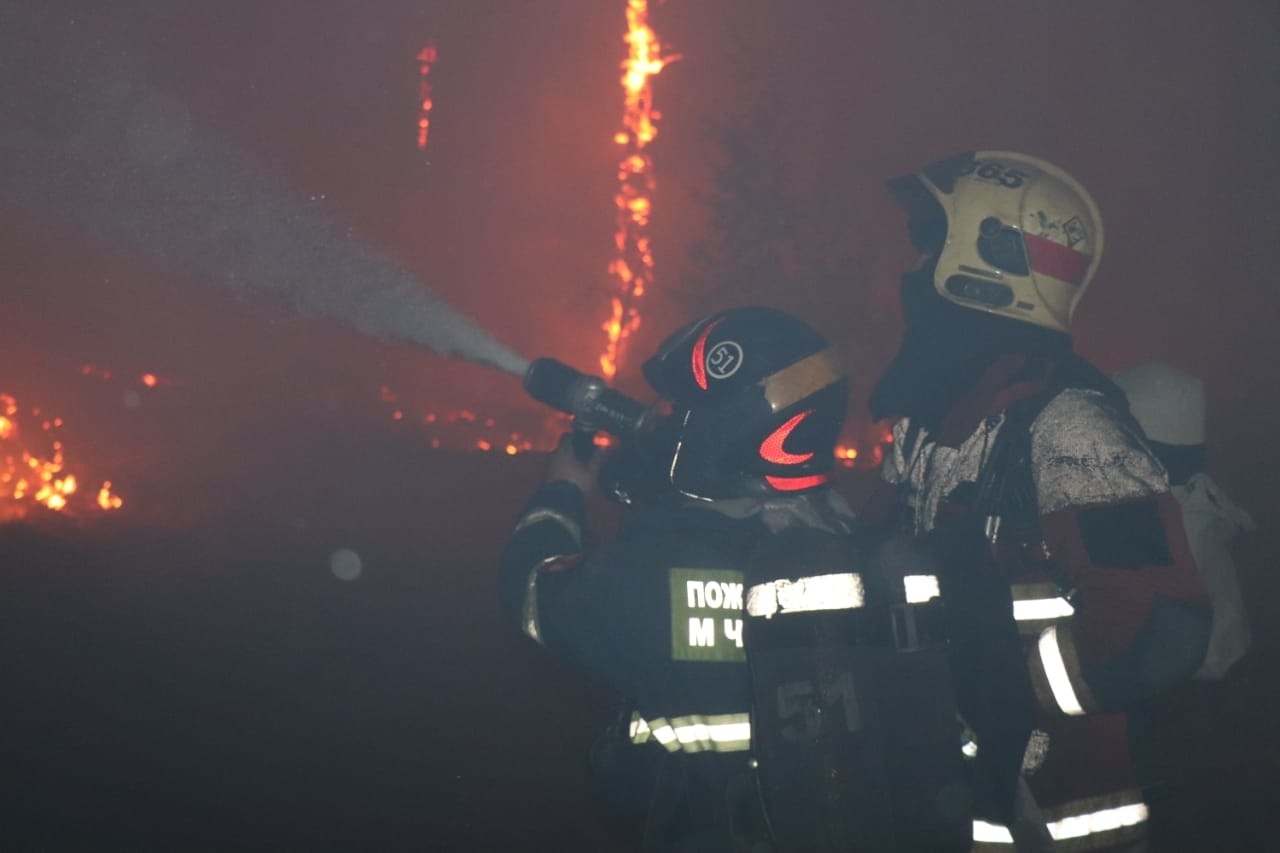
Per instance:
(127,165)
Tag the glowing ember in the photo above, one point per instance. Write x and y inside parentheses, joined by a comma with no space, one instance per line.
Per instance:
(33,472)
(632,266)
(464,430)
(149,380)
(106,500)
(426,58)
(95,371)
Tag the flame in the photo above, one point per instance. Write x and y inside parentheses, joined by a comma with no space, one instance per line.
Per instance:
(464,430)
(31,476)
(95,371)
(149,380)
(632,266)
(846,455)
(106,500)
(426,58)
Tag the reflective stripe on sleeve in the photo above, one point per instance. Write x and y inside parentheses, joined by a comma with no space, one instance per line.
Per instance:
(841,591)
(529,610)
(695,732)
(541,513)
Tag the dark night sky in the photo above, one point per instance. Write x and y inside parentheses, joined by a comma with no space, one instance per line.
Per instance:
(1165,110)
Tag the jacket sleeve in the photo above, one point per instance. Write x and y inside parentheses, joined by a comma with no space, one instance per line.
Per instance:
(1115,535)
(601,609)
(547,538)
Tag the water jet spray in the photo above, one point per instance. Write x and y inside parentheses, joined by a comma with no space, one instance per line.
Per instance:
(126,164)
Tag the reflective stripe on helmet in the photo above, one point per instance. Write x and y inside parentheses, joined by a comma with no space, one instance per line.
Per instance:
(1054,259)
(698,356)
(695,732)
(803,379)
(842,591)
(795,484)
(773,449)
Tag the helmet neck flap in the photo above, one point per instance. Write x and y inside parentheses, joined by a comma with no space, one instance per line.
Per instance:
(946,349)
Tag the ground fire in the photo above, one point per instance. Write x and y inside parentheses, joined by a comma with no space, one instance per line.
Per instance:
(34,472)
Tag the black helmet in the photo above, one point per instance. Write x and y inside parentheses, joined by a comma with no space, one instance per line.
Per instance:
(758,401)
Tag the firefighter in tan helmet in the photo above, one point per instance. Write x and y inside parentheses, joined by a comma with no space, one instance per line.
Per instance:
(1065,573)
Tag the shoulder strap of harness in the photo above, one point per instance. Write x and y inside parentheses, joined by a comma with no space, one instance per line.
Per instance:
(1005,492)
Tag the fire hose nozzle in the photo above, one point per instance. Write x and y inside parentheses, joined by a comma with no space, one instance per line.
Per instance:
(589,399)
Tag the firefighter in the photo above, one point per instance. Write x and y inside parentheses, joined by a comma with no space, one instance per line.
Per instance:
(1168,735)
(1169,405)
(719,490)
(1064,568)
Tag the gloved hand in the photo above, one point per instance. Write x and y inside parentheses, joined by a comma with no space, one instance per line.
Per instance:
(565,463)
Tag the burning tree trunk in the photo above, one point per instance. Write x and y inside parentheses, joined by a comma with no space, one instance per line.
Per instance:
(632,266)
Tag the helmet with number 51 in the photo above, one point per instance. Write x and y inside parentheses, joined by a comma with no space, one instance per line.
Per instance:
(1012,235)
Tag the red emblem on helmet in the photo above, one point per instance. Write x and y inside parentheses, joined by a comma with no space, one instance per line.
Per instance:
(699,356)
(771,449)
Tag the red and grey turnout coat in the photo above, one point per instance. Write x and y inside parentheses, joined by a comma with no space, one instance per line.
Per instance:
(1102,591)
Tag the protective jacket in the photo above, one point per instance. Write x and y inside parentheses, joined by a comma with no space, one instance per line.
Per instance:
(1069,586)
(657,615)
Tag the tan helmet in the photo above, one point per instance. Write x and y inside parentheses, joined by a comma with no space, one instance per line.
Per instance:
(1014,235)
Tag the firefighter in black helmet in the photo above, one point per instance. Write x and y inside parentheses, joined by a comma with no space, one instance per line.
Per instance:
(757,400)
(727,487)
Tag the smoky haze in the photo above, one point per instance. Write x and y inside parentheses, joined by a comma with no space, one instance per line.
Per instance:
(125,164)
